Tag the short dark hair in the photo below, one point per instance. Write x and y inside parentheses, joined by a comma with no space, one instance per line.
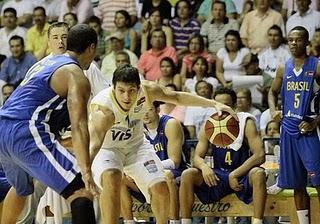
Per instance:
(236,34)
(221,3)
(16,37)
(40,8)
(304,30)
(123,53)
(127,74)
(75,17)
(171,62)
(94,19)
(208,84)
(126,16)
(57,25)
(224,90)
(200,38)
(80,37)
(12,10)
(277,28)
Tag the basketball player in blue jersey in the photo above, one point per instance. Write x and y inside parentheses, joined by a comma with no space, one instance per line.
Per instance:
(117,134)
(39,107)
(235,167)
(166,135)
(298,81)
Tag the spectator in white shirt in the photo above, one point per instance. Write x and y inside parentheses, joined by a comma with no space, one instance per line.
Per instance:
(306,17)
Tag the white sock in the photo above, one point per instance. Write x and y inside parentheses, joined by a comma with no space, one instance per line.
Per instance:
(186,221)
(303,216)
(49,220)
(172,221)
(257,221)
(128,221)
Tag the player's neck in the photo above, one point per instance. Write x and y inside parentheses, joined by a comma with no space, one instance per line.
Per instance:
(299,61)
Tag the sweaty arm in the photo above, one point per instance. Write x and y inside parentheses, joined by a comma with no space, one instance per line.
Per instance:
(76,89)
(100,121)
(160,93)
(174,134)
(254,141)
(199,162)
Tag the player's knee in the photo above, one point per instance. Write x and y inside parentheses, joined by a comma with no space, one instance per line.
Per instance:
(111,178)
(159,189)
(188,176)
(258,176)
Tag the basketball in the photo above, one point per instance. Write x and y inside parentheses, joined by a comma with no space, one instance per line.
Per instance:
(222,130)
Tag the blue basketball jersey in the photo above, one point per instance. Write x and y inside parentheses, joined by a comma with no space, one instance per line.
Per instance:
(35,100)
(226,158)
(160,141)
(300,99)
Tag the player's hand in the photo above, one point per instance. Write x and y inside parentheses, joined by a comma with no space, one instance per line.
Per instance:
(209,176)
(89,183)
(276,115)
(306,126)
(234,183)
(222,107)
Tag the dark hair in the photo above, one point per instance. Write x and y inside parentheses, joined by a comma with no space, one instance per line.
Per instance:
(176,7)
(208,84)
(123,53)
(205,62)
(172,86)
(157,104)
(12,10)
(40,8)
(199,37)
(57,25)
(126,16)
(153,10)
(304,30)
(317,30)
(171,62)
(277,28)
(221,3)
(16,37)
(224,90)
(94,19)
(247,92)
(236,34)
(75,17)
(127,74)
(268,124)
(80,37)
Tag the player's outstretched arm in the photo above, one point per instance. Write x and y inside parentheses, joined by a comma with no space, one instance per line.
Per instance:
(199,162)
(254,141)
(174,134)
(274,92)
(160,93)
(101,120)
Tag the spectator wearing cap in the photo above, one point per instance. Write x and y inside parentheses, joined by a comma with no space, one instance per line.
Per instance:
(305,16)
(255,25)
(149,62)
(108,65)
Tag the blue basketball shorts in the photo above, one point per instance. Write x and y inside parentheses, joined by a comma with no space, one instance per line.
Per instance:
(299,160)
(208,195)
(28,150)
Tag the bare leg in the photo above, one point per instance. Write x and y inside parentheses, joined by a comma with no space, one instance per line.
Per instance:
(301,199)
(189,178)
(126,201)
(259,191)
(174,196)
(12,207)
(159,201)
(110,196)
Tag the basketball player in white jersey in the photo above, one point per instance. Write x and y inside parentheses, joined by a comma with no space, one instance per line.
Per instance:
(116,130)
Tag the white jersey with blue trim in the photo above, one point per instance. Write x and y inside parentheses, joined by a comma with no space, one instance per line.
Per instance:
(127,130)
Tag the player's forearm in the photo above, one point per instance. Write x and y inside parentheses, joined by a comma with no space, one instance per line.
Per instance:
(188,99)
(199,162)
(253,161)
(80,141)
(272,99)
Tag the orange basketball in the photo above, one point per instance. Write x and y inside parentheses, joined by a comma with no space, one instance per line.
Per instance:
(222,130)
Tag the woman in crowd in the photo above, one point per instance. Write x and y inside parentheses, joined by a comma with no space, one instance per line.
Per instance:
(168,73)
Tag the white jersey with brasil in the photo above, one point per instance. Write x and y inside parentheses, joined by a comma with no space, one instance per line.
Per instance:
(127,130)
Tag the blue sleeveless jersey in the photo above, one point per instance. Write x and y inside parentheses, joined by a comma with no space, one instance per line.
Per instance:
(160,142)
(299,98)
(35,100)
(229,159)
